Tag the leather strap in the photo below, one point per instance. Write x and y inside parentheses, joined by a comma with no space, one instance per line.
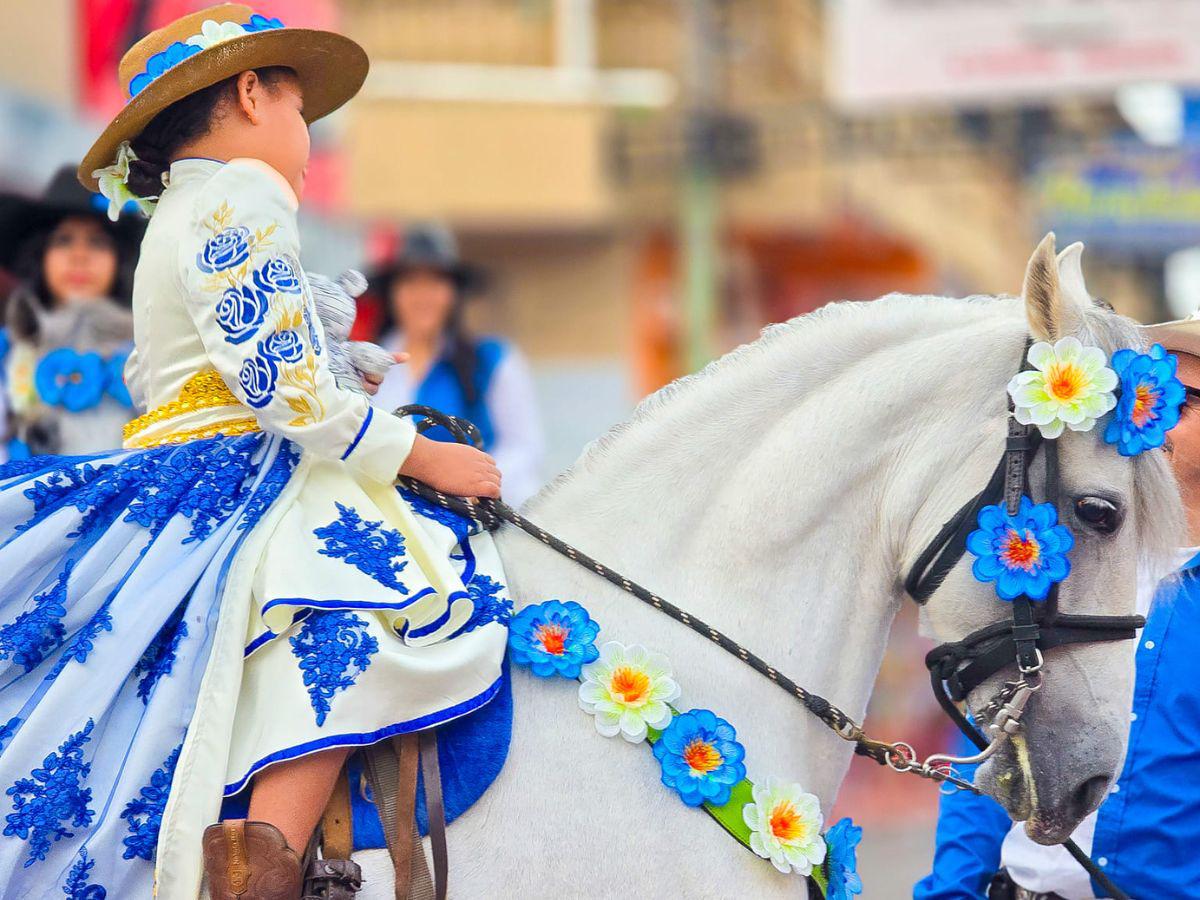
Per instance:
(337,828)
(238,865)
(404,854)
(436,809)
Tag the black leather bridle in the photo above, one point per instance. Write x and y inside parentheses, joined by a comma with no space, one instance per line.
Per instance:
(958,667)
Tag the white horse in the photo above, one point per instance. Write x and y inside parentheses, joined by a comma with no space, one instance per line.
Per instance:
(781,495)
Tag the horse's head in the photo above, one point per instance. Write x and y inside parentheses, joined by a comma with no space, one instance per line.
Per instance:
(1121,512)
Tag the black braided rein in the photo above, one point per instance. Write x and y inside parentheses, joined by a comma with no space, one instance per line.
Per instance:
(491,514)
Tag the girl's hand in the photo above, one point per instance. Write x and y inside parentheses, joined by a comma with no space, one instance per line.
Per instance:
(371,382)
(453,468)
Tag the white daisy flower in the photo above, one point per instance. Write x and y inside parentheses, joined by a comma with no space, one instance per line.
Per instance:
(785,826)
(1069,386)
(628,690)
(213,33)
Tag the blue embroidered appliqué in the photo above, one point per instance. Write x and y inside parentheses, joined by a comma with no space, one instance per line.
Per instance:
(144,813)
(35,632)
(204,480)
(159,657)
(271,486)
(334,648)
(460,525)
(84,641)
(489,605)
(366,545)
(52,795)
(77,887)
(8,729)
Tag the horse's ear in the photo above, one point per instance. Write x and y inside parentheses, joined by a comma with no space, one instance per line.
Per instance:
(1070,278)
(1044,306)
(24,316)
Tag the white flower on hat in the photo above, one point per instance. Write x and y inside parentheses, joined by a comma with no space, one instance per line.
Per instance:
(213,33)
(113,182)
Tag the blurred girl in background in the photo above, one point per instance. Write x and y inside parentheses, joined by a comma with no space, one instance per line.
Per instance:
(485,381)
(69,329)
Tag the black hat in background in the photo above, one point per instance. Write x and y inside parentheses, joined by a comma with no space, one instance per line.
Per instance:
(429,247)
(23,218)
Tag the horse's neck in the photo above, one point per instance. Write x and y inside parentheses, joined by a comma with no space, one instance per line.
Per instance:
(771,498)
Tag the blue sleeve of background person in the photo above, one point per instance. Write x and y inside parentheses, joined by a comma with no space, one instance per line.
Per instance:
(970,831)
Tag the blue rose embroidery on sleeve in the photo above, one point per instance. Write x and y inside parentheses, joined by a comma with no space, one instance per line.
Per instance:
(285,346)
(224,250)
(257,378)
(240,311)
(278,274)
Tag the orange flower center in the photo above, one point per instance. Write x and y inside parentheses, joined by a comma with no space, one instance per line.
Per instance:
(701,756)
(786,823)
(1143,405)
(629,684)
(553,638)
(1064,382)
(1020,551)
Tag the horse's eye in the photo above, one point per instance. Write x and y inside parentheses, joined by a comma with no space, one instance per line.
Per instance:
(1098,514)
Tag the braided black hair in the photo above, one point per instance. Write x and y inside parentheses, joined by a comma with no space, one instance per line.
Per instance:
(184,121)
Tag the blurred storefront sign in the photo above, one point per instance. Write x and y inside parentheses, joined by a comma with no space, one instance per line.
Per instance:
(973,52)
(1122,198)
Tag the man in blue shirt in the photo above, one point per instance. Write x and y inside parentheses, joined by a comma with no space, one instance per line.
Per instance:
(1146,834)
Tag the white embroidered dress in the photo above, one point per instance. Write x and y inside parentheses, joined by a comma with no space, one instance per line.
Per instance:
(242,585)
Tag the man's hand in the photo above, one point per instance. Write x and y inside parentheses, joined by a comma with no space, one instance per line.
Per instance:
(453,468)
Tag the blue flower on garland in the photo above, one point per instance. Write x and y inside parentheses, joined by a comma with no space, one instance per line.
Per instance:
(159,63)
(144,813)
(77,887)
(841,860)
(225,249)
(1150,399)
(334,648)
(366,545)
(553,638)
(74,381)
(30,637)
(1022,554)
(52,795)
(700,757)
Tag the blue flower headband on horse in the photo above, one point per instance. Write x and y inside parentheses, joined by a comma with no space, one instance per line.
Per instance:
(1071,386)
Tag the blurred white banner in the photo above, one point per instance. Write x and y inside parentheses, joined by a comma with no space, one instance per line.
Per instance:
(980,52)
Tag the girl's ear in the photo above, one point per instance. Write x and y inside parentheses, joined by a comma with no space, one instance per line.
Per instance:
(249,92)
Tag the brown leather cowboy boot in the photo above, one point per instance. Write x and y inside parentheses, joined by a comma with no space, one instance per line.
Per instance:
(249,861)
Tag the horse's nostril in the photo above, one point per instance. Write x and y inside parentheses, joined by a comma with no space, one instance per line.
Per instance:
(1088,795)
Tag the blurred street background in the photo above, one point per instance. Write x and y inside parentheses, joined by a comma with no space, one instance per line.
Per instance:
(649,182)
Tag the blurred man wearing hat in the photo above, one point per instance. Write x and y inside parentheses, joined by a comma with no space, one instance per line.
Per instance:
(1144,834)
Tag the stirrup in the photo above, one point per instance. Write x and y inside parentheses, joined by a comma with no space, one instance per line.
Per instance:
(332,879)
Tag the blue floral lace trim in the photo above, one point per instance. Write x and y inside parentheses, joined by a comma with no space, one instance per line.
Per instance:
(77,887)
(366,545)
(334,648)
(459,524)
(52,795)
(159,657)
(490,606)
(144,813)
(31,637)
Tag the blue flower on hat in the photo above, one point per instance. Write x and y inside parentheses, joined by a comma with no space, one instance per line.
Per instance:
(553,638)
(700,757)
(160,62)
(262,23)
(1150,399)
(1022,554)
(75,381)
(841,860)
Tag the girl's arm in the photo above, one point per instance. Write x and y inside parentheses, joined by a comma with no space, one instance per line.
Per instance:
(253,309)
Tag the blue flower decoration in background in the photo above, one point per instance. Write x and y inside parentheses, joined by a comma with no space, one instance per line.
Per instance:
(257,378)
(240,311)
(841,860)
(285,346)
(115,369)
(262,23)
(1150,399)
(700,757)
(159,63)
(75,381)
(1022,554)
(4,345)
(224,250)
(553,638)
(278,274)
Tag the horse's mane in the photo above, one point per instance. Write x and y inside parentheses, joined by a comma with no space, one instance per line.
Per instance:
(1158,514)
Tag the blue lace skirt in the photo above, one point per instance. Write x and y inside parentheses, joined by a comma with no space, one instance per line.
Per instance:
(113,576)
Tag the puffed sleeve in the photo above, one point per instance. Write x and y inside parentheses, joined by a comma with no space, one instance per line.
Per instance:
(253,308)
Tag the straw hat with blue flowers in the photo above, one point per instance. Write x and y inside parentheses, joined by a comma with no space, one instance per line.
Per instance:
(208,46)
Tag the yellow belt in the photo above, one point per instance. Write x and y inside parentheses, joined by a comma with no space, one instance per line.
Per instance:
(203,391)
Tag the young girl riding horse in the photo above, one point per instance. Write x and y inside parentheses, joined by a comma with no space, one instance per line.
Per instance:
(241,596)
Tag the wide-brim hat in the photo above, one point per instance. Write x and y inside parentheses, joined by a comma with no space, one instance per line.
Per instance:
(201,49)
(23,217)
(429,247)
(1182,335)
